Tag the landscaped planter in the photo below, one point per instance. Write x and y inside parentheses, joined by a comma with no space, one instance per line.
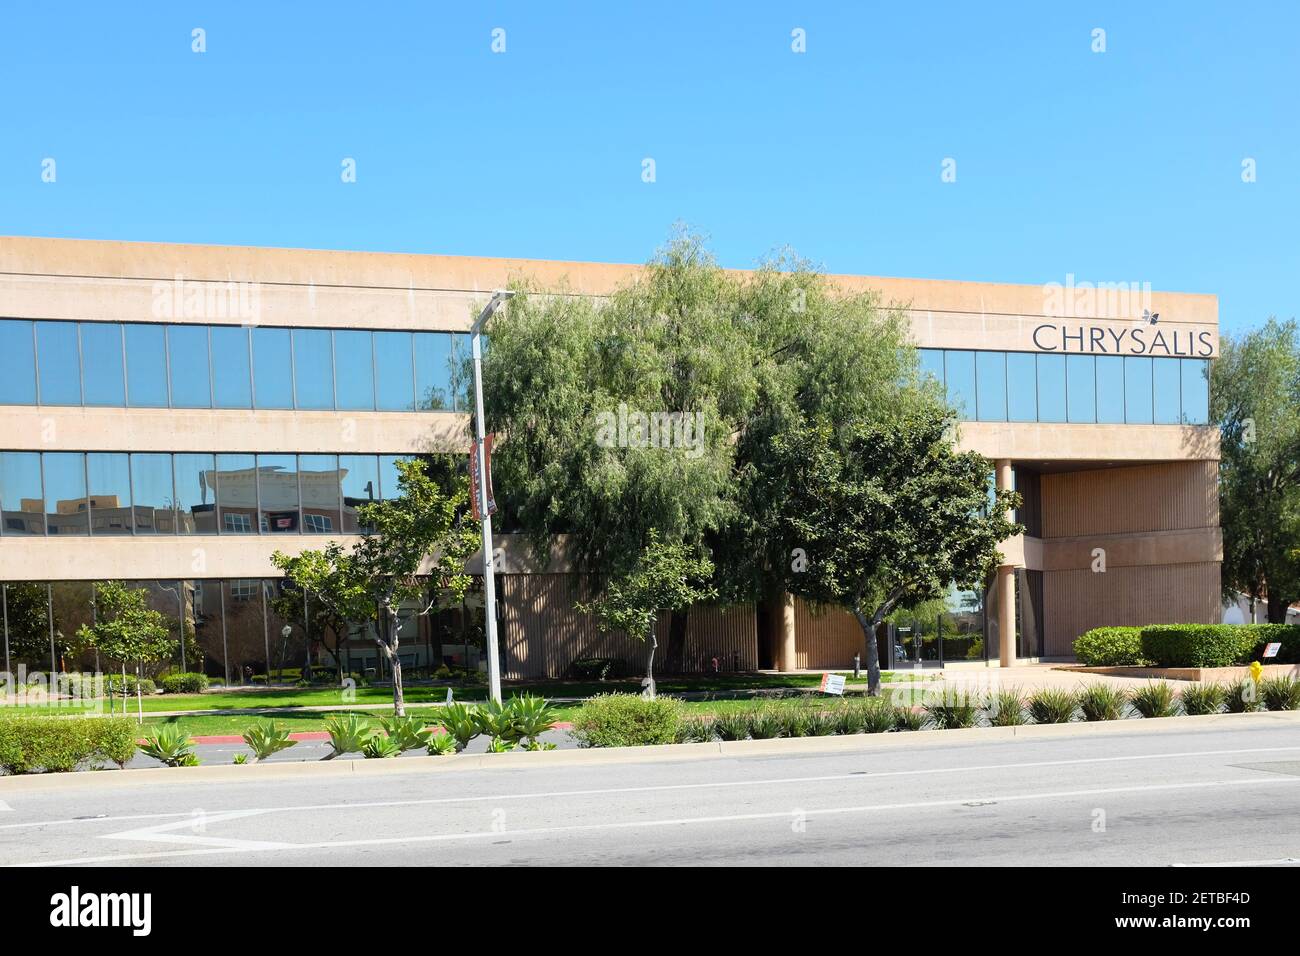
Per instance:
(1221,674)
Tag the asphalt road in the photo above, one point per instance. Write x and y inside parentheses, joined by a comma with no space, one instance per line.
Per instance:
(1207,795)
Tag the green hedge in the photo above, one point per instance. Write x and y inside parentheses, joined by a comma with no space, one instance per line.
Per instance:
(1110,647)
(29,744)
(627,720)
(1288,635)
(183,683)
(1203,645)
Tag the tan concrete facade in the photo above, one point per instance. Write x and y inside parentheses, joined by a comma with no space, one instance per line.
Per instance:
(1143,493)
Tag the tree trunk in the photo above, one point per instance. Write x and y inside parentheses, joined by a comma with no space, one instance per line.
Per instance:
(399,702)
(390,644)
(125,695)
(873,652)
(675,652)
(648,685)
(1277,609)
(139,699)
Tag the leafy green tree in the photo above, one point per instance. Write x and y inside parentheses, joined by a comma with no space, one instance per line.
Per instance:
(888,515)
(415,550)
(568,378)
(127,630)
(666,577)
(27,605)
(1255,400)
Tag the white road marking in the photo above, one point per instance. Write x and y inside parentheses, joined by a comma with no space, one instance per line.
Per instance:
(162,833)
(254,846)
(1285,861)
(865,776)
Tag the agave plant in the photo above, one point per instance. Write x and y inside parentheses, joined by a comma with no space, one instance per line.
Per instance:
(408,733)
(348,734)
(1156,699)
(380,747)
(461,722)
(533,716)
(1200,699)
(440,745)
(499,745)
(171,746)
(265,739)
(1280,693)
(498,721)
(1052,705)
(1102,702)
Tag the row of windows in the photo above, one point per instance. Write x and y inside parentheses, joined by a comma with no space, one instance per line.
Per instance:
(224,366)
(149,493)
(1033,387)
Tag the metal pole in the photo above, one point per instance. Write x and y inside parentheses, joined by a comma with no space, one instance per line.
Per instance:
(489,581)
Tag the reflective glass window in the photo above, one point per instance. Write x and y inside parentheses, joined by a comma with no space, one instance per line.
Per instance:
(146,366)
(59,363)
(388,487)
(394,372)
(434,363)
(1110,389)
(991,386)
(1081,388)
(313,368)
(277,480)
(1137,390)
(21,502)
(103,375)
(196,493)
(187,358)
(359,478)
(354,371)
(1196,391)
(272,368)
(1051,388)
(1022,387)
(65,492)
(237,494)
(462,369)
(108,486)
(232,383)
(959,375)
(17,363)
(320,483)
(151,493)
(246,640)
(1166,388)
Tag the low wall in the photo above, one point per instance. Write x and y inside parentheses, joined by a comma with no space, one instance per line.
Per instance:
(1213,674)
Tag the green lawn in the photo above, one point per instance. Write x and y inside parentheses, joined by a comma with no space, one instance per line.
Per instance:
(332,697)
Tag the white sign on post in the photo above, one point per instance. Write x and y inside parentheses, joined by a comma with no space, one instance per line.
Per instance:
(1270,650)
(832,684)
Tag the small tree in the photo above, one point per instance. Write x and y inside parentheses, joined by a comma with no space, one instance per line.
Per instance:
(888,515)
(666,577)
(417,545)
(127,630)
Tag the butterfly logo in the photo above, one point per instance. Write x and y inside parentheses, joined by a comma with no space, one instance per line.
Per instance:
(1149,317)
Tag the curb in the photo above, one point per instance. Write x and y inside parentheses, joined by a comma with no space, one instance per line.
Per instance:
(735,749)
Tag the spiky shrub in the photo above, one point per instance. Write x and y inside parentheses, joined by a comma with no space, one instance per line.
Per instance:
(627,720)
(877,717)
(380,747)
(265,739)
(1241,696)
(348,734)
(533,717)
(1007,708)
(1280,693)
(1102,702)
(1201,699)
(441,745)
(850,717)
(819,723)
(732,725)
(1156,699)
(696,730)
(499,720)
(954,709)
(1053,705)
(907,718)
(408,733)
(461,722)
(767,722)
(171,746)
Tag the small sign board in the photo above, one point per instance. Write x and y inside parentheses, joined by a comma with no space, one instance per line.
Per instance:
(832,684)
(1270,650)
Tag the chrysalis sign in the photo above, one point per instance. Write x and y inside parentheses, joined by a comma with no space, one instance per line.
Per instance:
(475,478)
(1113,340)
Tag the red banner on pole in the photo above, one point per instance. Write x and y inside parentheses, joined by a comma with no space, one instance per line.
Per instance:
(475,492)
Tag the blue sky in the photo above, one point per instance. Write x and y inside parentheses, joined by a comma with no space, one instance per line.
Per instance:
(1117,166)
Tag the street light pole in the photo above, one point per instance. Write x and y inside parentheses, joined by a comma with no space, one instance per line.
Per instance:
(489,582)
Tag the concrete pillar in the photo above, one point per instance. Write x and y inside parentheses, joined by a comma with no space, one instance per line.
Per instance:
(1006,585)
(787,656)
